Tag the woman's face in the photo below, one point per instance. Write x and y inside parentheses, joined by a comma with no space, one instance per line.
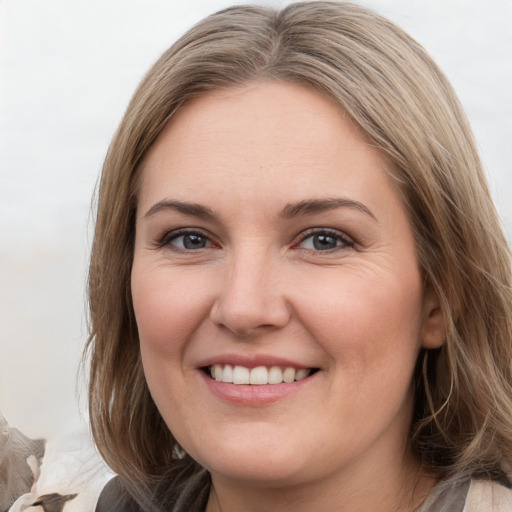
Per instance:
(273,252)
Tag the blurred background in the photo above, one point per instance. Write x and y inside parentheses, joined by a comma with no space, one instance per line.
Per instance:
(67,71)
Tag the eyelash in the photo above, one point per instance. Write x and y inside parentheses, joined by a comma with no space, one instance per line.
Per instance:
(342,240)
(170,237)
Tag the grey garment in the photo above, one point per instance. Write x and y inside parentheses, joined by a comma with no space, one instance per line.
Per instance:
(193,497)
(447,496)
(115,498)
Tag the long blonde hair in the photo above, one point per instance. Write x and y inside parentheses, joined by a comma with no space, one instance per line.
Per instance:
(393,90)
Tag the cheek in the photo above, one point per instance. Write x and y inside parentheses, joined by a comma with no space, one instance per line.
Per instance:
(168,308)
(364,319)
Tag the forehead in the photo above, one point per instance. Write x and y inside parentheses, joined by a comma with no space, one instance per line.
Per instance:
(262,140)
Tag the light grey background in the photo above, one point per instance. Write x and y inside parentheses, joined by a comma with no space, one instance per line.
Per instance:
(67,70)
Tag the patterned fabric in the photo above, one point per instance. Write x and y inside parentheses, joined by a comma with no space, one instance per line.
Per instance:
(485,496)
(447,497)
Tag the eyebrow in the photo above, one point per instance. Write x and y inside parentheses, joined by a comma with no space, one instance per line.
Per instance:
(291,210)
(313,206)
(193,209)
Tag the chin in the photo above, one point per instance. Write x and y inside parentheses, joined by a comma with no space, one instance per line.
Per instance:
(256,462)
(264,472)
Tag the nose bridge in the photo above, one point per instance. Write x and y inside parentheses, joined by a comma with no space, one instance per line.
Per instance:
(251,296)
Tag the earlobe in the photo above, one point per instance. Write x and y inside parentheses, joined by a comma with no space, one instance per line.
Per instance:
(433,332)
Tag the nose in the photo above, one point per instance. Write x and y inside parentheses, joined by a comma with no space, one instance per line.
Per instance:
(252,298)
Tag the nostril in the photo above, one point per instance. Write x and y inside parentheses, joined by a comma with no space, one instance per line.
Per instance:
(247,308)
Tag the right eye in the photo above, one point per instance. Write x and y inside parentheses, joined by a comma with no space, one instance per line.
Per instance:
(186,241)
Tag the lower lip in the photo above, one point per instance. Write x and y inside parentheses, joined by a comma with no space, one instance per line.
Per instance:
(253,395)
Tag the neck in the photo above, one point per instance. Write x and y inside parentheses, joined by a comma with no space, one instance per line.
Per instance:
(399,487)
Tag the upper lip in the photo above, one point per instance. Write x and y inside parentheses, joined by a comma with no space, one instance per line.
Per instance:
(252,361)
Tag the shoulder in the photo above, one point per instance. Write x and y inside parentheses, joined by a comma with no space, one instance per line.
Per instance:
(191,495)
(115,498)
(487,496)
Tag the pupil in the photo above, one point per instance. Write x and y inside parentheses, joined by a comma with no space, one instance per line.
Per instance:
(194,242)
(323,242)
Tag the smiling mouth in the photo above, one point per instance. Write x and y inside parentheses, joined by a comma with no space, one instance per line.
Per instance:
(258,376)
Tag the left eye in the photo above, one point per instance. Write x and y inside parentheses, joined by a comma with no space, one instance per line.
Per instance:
(324,241)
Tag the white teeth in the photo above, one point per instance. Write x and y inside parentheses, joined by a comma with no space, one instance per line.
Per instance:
(240,375)
(275,375)
(301,374)
(227,374)
(289,375)
(260,375)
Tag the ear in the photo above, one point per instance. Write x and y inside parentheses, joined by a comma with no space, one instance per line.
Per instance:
(433,330)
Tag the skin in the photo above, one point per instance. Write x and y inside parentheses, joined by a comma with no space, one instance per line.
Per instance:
(259,283)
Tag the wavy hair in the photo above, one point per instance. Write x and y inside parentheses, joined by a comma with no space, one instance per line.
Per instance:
(393,90)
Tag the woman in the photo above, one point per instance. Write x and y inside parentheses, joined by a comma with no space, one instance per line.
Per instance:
(299,289)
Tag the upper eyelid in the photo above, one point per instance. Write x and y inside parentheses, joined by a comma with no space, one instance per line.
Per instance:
(172,234)
(318,231)
(169,235)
